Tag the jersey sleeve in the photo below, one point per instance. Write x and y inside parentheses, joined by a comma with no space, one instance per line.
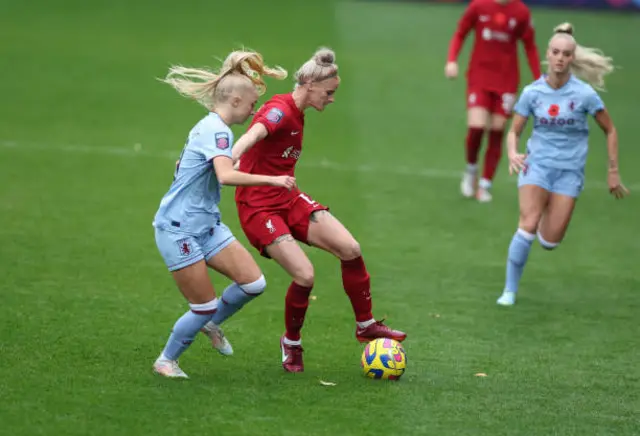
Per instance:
(217,143)
(465,25)
(593,103)
(528,37)
(273,117)
(523,105)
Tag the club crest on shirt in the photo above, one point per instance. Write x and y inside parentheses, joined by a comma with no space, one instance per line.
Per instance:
(184,247)
(275,115)
(222,141)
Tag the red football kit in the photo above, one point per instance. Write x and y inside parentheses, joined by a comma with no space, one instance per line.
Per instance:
(267,212)
(493,75)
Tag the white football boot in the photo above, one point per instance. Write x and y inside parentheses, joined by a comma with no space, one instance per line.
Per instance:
(218,339)
(483,195)
(507,298)
(468,184)
(168,368)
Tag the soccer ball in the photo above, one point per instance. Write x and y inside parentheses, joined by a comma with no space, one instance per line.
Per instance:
(384,358)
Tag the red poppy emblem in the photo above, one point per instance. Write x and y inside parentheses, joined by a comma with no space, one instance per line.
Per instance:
(554,110)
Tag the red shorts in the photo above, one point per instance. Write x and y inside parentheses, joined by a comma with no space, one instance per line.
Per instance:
(495,102)
(263,225)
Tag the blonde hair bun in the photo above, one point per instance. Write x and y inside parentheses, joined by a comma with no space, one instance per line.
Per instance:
(325,57)
(564,28)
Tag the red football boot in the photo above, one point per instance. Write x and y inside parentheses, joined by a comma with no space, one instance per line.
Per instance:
(379,330)
(291,357)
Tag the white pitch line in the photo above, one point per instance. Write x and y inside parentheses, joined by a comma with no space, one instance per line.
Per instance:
(405,171)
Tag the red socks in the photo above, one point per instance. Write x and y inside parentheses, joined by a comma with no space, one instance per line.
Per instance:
(355,280)
(295,308)
(493,154)
(474,142)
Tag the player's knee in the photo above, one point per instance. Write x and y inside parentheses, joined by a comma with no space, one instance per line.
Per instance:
(305,276)
(547,245)
(529,222)
(528,226)
(256,287)
(349,250)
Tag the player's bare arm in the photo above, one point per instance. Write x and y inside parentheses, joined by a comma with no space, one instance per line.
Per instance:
(256,133)
(227,175)
(613,178)
(516,160)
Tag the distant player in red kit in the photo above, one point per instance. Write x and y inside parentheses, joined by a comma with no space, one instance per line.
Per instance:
(492,79)
(274,219)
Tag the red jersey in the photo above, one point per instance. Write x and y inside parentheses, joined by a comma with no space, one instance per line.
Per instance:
(494,59)
(275,155)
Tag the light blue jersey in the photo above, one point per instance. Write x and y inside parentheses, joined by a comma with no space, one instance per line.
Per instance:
(560,132)
(191,204)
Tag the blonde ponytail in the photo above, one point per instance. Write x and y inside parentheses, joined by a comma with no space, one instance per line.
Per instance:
(589,64)
(209,87)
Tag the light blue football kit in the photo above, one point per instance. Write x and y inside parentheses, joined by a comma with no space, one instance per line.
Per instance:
(188,229)
(556,156)
(557,148)
(188,226)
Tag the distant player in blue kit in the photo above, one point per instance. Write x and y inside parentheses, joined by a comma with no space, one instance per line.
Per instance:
(551,173)
(189,233)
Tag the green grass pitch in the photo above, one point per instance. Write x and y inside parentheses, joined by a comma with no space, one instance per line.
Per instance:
(86,303)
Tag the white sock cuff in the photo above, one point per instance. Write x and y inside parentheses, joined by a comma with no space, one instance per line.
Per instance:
(484,183)
(204,308)
(526,235)
(545,243)
(255,288)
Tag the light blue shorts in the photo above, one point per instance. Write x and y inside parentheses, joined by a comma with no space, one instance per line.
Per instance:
(179,249)
(564,182)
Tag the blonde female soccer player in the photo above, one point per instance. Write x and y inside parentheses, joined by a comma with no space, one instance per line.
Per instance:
(189,233)
(551,172)
(274,219)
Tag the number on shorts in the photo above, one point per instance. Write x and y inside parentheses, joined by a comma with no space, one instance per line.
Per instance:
(308,200)
(508,100)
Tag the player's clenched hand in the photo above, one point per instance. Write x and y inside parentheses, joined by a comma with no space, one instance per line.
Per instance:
(516,162)
(451,70)
(284,182)
(616,187)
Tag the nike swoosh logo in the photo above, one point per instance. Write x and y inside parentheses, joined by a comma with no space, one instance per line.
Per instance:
(294,133)
(285,356)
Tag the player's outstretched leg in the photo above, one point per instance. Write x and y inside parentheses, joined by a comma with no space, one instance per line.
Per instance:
(477,118)
(516,260)
(533,200)
(493,154)
(470,175)
(327,233)
(182,335)
(236,263)
(286,251)
(192,279)
(491,161)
